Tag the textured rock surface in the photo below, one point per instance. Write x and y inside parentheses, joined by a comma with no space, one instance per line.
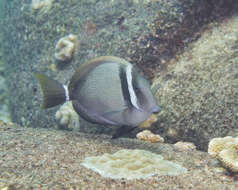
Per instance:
(144,32)
(51,159)
(198,94)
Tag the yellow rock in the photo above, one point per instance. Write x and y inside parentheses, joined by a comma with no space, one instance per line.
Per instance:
(147,123)
(148,136)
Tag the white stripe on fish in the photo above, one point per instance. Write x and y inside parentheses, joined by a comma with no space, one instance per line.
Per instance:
(130,86)
(66,92)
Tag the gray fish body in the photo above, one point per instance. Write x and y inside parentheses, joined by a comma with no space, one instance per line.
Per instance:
(107,90)
(100,94)
(113,92)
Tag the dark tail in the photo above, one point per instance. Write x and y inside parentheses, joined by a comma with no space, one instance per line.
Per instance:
(53,91)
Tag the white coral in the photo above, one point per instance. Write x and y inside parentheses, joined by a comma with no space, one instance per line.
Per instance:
(132,164)
(226,150)
(67,118)
(65,47)
(148,136)
(184,146)
(41,5)
(216,145)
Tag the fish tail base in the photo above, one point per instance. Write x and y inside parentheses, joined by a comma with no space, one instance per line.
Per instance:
(54,93)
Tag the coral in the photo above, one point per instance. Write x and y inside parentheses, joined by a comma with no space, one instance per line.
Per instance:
(148,136)
(67,118)
(41,5)
(226,150)
(65,47)
(132,164)
(147,123)
(185,146)
(216,145)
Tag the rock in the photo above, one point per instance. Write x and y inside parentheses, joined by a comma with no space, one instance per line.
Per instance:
(184,146)
(51,159)
(198,93)
(149,122)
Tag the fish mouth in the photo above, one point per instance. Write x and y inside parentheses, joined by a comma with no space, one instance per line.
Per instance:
(156,110)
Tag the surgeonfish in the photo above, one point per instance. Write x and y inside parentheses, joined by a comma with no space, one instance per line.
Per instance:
(106,90)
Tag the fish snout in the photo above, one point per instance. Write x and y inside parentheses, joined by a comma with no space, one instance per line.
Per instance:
(156,109)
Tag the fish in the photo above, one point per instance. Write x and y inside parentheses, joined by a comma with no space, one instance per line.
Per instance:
(107,90)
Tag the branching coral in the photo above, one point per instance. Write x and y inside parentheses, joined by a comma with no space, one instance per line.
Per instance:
(132,164)
(226,150)
(65,47)
(67,118)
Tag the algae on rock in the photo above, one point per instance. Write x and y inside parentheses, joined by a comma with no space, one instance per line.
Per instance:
(199,93)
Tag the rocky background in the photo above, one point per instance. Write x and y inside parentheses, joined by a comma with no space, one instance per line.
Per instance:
(199,91)
(150,33)
(41,158)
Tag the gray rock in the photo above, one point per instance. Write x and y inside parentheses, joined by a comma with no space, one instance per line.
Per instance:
(199,93)
(51,159)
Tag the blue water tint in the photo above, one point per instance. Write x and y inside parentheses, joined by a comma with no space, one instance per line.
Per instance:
(4,112)
(2,4)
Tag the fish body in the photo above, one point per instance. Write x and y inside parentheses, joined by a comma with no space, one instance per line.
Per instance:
(107,90)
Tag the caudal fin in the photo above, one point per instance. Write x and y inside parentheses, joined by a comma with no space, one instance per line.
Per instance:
(53,91)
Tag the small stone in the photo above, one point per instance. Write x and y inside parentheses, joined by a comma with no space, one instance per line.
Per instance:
(185,146)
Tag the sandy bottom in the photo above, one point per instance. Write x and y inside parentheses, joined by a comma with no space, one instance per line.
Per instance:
(36,158)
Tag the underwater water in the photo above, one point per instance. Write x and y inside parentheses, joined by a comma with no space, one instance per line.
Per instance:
(4,111)
(184,91)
